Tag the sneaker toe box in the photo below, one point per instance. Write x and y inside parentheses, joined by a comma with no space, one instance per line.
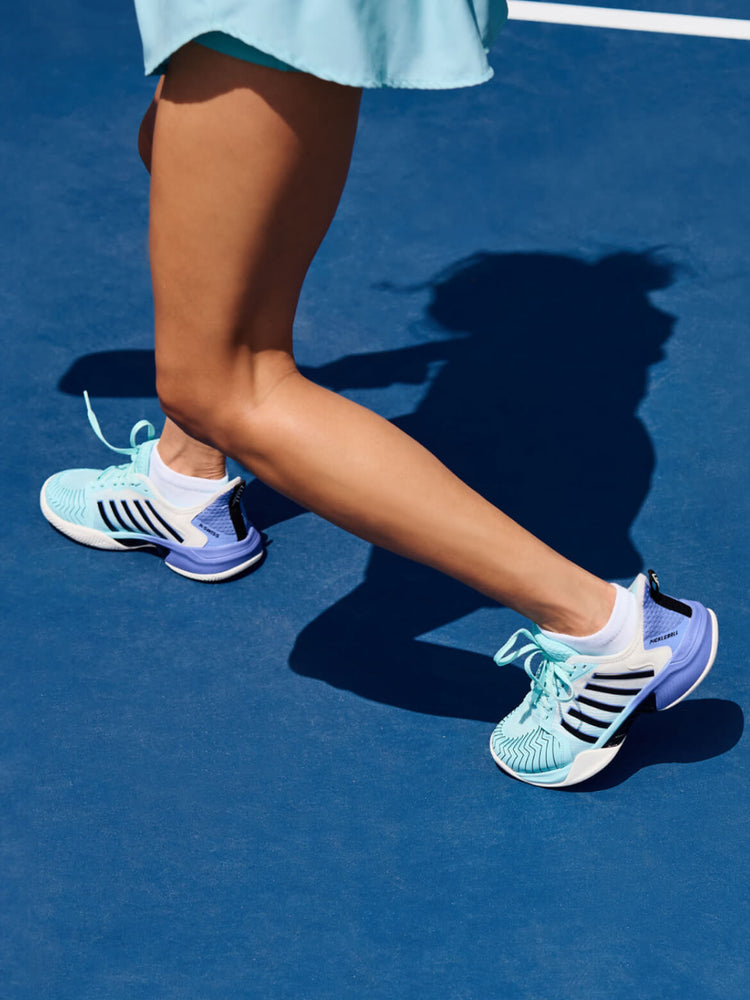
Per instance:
(525,747)
(66,494)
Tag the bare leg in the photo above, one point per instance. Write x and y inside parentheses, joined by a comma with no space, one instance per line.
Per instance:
(248,168)
(177,449)
(146,131)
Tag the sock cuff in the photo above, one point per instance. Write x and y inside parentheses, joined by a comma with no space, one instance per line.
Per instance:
(179,489)
(179,478)
(616,633)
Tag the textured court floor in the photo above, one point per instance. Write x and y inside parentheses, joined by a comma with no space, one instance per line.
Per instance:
(281,788)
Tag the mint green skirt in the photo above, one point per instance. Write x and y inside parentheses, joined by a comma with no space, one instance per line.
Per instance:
(423,44)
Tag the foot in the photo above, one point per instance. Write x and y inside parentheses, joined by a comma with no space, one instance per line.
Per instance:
(579,709)
(119,508)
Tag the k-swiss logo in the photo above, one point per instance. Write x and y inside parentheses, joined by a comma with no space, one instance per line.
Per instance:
(662,638)
(209,530)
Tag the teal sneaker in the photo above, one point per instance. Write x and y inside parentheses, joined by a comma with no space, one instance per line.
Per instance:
(120,509)
(578,712)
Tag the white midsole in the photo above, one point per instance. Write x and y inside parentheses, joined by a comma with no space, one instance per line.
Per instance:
(586,765)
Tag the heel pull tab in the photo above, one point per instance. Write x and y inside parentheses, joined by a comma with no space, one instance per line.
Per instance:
(670,603)
(235,512)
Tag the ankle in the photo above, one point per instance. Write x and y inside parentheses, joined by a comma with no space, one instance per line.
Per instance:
(188,457)
(588,613)
(192,463)
(613,636)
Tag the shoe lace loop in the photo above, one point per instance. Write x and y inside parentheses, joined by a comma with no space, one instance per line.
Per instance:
(118,475)
(548,670)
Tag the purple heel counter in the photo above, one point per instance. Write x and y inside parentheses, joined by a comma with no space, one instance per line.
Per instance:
(689,661)
(225,521)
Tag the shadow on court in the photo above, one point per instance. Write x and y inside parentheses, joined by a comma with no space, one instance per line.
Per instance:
(534,405)
(533,378)
(692,731)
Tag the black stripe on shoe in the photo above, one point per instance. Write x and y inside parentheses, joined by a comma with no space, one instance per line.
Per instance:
(603,706)
(147,519)
(115,511)
(588,719)
(129,513)
(161,521)
(578,733)
(104,517)
(631,675)
(607,690)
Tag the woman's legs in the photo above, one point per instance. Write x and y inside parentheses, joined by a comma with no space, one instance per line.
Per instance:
(248,168)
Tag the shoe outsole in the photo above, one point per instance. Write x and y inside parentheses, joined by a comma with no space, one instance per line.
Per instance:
(590,762)
(95,539)
(228,574)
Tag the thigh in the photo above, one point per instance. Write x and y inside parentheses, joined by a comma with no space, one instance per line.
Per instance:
(248,166)
(146,131)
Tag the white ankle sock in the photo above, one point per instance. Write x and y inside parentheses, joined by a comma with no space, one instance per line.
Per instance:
(178,489)
(615,635)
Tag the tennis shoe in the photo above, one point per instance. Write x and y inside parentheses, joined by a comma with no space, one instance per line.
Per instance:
(579,709)
(119,508)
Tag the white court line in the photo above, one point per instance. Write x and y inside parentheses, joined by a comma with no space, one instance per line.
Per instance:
(630,20)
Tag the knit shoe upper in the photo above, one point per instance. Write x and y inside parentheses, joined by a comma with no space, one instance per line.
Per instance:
(120,507)
(579,707)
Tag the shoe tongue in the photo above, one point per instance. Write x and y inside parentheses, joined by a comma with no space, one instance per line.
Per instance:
(142,457)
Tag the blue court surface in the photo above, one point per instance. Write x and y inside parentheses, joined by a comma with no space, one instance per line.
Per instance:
(280,787)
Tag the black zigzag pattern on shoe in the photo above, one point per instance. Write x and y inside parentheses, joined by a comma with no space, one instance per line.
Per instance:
(531,753)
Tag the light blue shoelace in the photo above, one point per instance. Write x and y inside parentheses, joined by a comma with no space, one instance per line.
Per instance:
(551,681)
(120,475)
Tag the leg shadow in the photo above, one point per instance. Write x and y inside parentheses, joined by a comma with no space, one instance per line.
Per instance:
(368,643)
